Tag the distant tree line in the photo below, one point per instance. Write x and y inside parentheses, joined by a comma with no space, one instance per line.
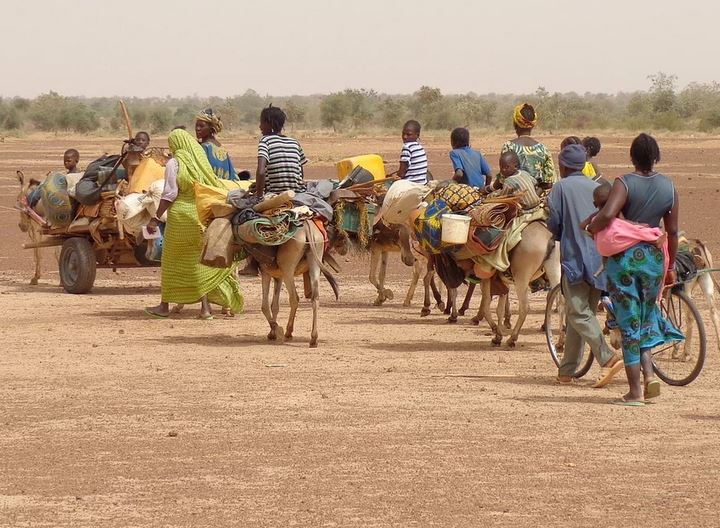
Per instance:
(661,107)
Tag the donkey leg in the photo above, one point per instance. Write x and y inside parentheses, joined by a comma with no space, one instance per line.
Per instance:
(522,289)
(375,258)
(417,270)
(314,271)
(507,323)
(487,315)
(265,305)
(36,277)
(294,298)
(435,291)
(427,282)
(466,301)
(704,280)
(452,305)
(386,292)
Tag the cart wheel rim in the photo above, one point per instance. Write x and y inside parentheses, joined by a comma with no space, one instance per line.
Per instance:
(73,267)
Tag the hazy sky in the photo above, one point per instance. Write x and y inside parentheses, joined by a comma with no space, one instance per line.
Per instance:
(282,47)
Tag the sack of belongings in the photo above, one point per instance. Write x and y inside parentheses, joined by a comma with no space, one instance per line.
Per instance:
(457,196)
(218,244)
(97,178)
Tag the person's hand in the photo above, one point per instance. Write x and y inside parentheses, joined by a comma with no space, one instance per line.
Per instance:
(671,277)
(152,225)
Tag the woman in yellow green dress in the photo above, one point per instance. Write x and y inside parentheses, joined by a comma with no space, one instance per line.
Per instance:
(184,280)
(534,156)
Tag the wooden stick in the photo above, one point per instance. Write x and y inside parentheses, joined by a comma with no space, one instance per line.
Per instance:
(44,243)
(126,117)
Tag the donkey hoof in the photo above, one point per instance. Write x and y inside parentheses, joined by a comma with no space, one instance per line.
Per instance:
(33,281)
(441,306)
(461,311)
(288,335)
(510,343)
(406,304)
(452,319)
(424,312)
(378,302)
(388,294)
(508,325)
(475,320)
(272,336)
(313,342)
(496,342)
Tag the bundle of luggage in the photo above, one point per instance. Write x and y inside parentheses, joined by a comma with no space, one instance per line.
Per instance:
(239,220)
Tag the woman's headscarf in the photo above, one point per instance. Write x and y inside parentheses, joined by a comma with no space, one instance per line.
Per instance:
(520,120)
(191,158)
(211,117)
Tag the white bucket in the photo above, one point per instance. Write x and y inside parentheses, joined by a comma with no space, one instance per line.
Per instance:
(455,228)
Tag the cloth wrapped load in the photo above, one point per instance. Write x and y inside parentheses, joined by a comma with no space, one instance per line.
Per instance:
(135,210)
(452,198)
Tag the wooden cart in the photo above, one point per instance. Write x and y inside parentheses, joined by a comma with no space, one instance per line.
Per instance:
(101,243)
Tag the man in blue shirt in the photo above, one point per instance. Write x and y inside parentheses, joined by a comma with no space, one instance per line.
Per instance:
(571,202)
(469,166)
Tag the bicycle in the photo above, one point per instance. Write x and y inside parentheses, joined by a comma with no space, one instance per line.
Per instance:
(676,363)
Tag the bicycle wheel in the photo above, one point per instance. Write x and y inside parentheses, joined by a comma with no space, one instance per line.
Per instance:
(555,332)
(680,363)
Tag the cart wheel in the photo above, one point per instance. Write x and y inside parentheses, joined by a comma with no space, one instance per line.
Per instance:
(77,265)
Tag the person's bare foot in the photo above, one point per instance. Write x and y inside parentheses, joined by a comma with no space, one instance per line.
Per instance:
(228,313)
(177,308)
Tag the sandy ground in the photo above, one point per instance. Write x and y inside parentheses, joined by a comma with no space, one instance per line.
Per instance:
(108,418)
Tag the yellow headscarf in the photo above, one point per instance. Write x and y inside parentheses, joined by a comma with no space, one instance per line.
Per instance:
(211,117)
(520,120)
(192,160)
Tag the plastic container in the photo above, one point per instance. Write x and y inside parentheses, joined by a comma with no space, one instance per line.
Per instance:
(455,228)
(370,162)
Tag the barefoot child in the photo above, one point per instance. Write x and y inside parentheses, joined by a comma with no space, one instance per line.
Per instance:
(512,180)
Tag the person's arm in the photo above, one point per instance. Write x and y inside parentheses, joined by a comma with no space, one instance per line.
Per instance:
(616,201)
(260,176)
(458,172)
(671,222)
(261,171)
(485,168)
(404,162)
(303,161)
(554,222)
(169,194)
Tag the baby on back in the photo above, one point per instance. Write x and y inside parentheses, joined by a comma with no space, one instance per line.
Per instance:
(622,234)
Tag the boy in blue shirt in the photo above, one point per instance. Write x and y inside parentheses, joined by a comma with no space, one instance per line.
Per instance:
(469,165)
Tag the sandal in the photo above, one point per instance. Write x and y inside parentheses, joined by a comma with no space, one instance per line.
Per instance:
(652,389)
(628,403)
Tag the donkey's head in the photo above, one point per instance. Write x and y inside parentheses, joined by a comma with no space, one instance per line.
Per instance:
(25,223)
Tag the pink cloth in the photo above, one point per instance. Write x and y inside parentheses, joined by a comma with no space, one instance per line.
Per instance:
(622,234)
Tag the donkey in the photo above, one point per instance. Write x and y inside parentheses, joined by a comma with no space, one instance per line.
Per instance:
(705,280)
(534,254)
(26,223)
(393,239)
(301,255)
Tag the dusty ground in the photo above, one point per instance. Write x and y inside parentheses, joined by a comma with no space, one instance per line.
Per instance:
(108,418)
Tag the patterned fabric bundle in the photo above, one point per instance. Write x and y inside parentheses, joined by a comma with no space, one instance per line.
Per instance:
(457,196)
(55,199)
(428,226)
(184,279)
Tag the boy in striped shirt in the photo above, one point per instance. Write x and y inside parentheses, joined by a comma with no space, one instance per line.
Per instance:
(413,159)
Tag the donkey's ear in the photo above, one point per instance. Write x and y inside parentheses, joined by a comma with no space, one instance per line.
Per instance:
(20,176)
